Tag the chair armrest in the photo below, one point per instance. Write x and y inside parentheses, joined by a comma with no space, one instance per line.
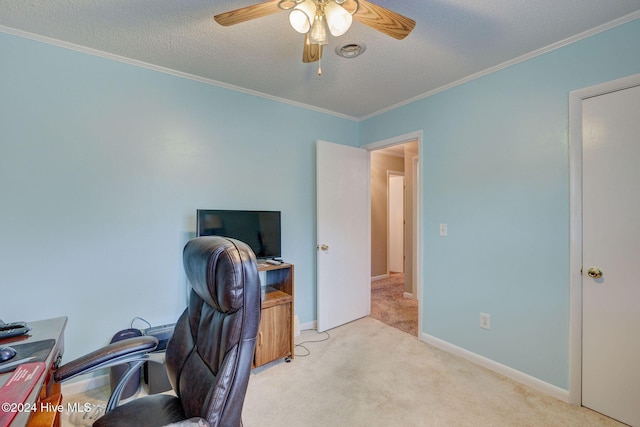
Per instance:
(117,353)
(157,357)
(191,422)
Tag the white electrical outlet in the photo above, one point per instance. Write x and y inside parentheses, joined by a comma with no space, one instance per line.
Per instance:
(443,230)
(485,321)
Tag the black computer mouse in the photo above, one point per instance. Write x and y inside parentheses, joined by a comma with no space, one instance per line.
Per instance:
(6,353)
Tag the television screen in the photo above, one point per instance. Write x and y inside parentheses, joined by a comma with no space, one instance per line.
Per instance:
(258,229)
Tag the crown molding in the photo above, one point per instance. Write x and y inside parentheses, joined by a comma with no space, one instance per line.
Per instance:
(142,64)
(95,52)
(586,34)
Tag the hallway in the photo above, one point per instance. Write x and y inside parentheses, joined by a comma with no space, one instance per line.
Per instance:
(390,306)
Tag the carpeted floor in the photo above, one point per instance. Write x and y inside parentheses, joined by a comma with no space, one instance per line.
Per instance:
(391,307)
(366,373)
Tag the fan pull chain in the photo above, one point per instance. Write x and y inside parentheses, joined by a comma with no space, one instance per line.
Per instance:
(320,67)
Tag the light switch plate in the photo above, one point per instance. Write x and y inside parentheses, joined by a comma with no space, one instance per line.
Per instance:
(485,321)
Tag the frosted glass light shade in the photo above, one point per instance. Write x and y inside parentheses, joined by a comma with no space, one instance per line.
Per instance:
(302,16)
(318,33)
(338,19)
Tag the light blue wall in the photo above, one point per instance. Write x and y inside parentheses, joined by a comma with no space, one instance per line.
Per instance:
(102,167)
(103,164)
(495,168)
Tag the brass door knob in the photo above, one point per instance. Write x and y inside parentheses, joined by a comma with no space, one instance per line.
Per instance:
(594,273)
(323,247)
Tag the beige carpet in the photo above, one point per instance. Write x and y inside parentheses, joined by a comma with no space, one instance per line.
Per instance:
(390,306)
(369,374)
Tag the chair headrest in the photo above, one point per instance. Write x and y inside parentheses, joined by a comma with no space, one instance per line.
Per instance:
(215,267)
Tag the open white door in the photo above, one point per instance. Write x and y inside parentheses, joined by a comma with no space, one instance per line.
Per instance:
(343,234)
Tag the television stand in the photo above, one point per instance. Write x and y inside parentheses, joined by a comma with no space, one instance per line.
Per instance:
(275,334)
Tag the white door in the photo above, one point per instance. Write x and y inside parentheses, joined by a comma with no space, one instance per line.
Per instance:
(343,234)
(396,223)
(611,245)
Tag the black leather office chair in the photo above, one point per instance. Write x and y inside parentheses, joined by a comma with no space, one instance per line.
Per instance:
(210,354)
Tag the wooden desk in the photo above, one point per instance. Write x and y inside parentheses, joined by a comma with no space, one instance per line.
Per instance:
(275,335)
(47,390)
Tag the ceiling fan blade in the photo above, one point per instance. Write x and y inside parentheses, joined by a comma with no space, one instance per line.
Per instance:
(382,19)
(247,13)
(311,52)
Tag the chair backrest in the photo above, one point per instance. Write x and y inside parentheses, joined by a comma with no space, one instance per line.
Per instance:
(210,354)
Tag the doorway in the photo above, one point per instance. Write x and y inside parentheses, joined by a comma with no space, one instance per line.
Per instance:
(394,242)
(604,234)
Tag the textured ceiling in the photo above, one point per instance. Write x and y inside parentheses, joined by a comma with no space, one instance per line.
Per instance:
(453,39)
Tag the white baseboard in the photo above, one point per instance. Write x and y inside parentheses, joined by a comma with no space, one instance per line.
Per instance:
(521,377)
(309,325)
(85,384)
(381,277)
(409,295)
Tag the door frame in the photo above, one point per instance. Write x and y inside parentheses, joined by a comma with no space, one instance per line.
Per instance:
(417,219)
(575,224)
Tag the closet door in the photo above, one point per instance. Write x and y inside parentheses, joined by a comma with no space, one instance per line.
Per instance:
(611,254)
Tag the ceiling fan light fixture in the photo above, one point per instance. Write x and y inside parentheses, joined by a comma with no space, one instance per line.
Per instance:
(318,32)
(314,17)
(338,19)
(302,15)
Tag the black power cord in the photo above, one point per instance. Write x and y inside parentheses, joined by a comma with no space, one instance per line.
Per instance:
(308,352)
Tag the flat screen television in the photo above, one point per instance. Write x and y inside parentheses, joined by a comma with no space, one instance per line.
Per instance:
(258,229)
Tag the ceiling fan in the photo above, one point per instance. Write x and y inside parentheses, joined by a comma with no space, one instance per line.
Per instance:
(315,17)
